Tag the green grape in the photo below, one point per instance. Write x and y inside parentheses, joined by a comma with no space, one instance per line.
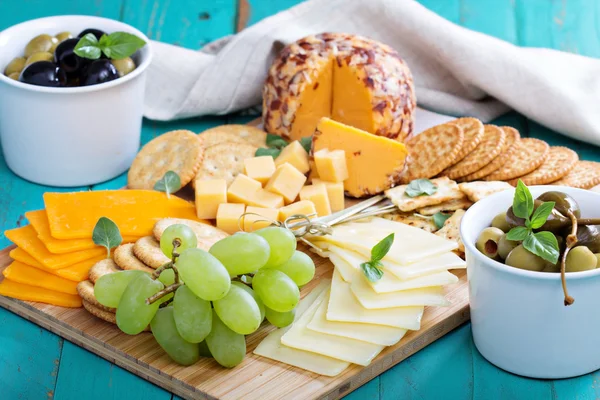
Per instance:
(204,351)
(184,233)
(239,311)
(206,277)
(193,316)
(300,267)
(227,347)
(109,288)
(277,291)
(167,277)
(166,334)
(280,319)
(248,289)
(282,244)
(241,253)
(133,314)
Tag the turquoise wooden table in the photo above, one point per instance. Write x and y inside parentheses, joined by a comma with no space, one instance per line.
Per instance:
(36,364)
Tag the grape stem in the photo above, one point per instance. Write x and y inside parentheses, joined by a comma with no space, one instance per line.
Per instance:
(174,255)
(169,289)
(160,269)
(166,303)
(571,242)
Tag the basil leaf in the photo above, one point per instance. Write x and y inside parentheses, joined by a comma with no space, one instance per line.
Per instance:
(518,233)
(276,141)
(523,201)
(88,47)
(262,151)
(371,272)
(381,249)
(106,233)
(439,218)
(540,215)
(544,245)
(170,183)
(120,45)
(306,142)
(420,187)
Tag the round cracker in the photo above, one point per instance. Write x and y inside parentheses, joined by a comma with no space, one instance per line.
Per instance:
(206,234)
(584,175)
(85,290)
(511,144)
(102,267)
(432,151)
(147,250)
(236,134)
(215,136)
(529,155)
(126,259)
(559,162)
(488,148)
(179,151)
(99,312)
(225,161)
(473,130)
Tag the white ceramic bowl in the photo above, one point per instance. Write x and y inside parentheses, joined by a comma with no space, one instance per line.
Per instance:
(518,318)
(70,136)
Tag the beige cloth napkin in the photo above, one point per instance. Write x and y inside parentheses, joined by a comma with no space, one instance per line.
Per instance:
(457,71)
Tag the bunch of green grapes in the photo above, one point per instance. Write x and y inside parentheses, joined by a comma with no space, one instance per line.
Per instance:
(223,294)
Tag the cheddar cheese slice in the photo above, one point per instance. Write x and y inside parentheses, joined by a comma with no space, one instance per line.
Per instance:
(76,272)
(74,215)
(23,273)
(22,291)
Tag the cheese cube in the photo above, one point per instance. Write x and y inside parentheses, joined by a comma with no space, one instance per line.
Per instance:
(209,194)
(266,199)
(265,217)
(294,154)
(313,174)
(335,192)
(304,207)
(287,182)
(228,217)
(318,195)
(259,168)
(331,165)
(242,189)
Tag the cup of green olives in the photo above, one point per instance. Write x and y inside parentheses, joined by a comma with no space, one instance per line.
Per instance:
(67,120)
(519,319)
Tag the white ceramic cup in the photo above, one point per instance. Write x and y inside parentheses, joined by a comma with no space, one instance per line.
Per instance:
(70,136)
(518,317)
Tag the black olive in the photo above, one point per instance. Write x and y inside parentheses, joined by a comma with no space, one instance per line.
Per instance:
(66,58)
(563,201)
(96,32)
(554,223)
(99,71)
(43,73)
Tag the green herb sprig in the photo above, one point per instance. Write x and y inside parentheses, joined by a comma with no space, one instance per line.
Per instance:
(440,218)
(169,183)
(371,268)
(106,233)
(276,143)
(116,46)
(420,187)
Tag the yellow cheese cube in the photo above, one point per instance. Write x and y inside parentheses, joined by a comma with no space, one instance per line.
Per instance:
(294,154)
(242,189)
(313,174)
(318,195)
(266,199)
(259,217)
(303,207)
(335,192)
(228,217)
(287,182)
(331,165)
(259,168)
(209,194)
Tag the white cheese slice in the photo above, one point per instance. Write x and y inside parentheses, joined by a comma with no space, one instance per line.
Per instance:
(441,262)
(271,346)
(376,334)
(341,348)
(344,307)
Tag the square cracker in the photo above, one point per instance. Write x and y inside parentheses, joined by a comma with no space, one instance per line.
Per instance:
(452,205)
(451,229)
(477,190)
(446,190)
(426,224)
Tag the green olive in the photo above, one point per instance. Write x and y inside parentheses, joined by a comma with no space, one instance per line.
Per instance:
(487,242)
(16,65)
(500,222)
(124,66)
(505,246)
(40,43)
(554,268)
(14,75)
(524,259)
(62,36)
(580,258)
(41,56)
(563,202)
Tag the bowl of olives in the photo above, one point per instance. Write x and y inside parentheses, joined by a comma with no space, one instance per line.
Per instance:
(71,98)
(533,264)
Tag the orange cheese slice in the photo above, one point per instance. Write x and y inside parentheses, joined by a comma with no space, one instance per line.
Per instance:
(39,220)
(23,273)
(27,239)
(76,272)
(74,215)
(22,291)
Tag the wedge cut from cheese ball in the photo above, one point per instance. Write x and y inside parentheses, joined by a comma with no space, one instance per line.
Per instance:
(271,346)
(343,306)
(376,334)
(350,350)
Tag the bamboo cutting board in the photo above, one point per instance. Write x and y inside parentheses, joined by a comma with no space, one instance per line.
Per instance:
(256,378)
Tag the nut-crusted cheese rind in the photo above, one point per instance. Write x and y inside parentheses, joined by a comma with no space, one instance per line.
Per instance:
(206,234)
(451,229)
(584,175)
(473,131)
(225,161)
(476,191)
(446,190)
(529,155)
(452,205)
(147,250)
(511,144)
(559,162)
(411,219)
